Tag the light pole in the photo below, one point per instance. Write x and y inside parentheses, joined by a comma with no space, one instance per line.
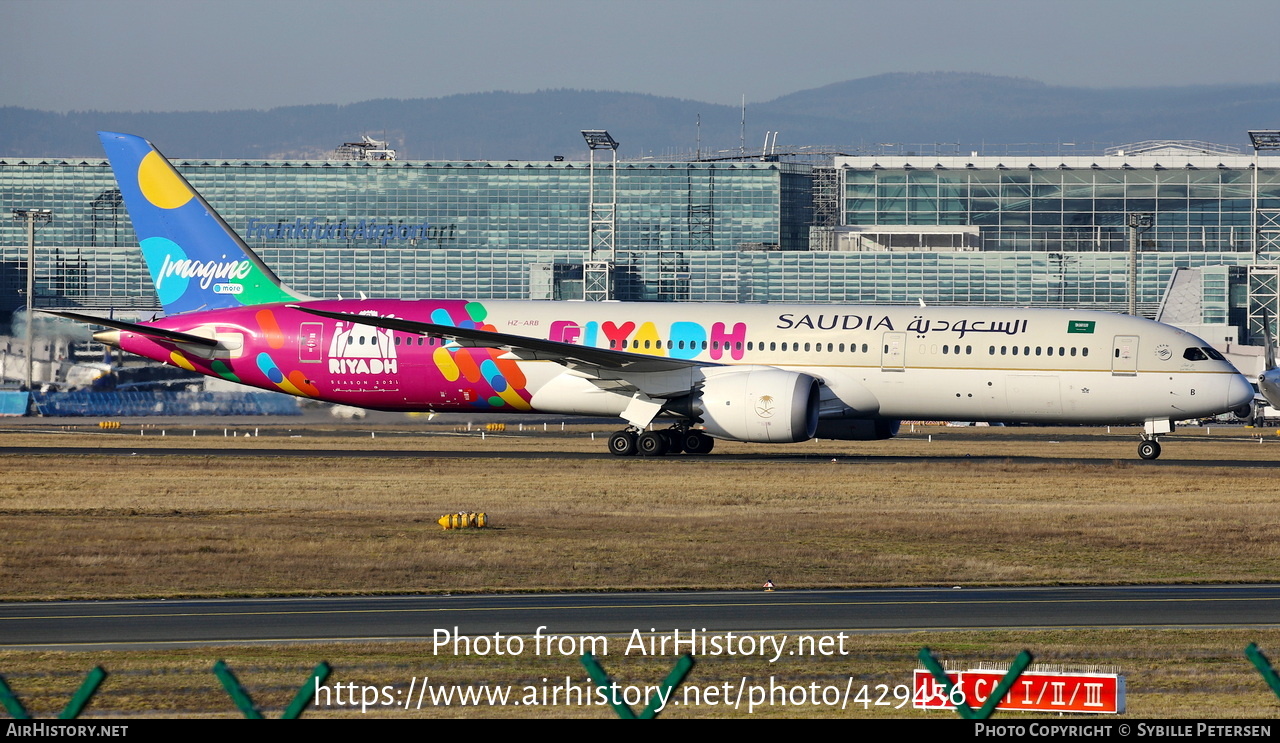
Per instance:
(597,270)
(1264,224)
(31,217)
(1138,222)
(1262,139)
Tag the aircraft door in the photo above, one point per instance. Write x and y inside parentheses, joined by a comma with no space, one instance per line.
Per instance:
(1124,355)
(310,335)
(893,352)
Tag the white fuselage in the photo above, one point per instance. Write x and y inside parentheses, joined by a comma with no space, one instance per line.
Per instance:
(946,363)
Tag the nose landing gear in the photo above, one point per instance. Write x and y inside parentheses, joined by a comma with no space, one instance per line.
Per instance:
(1151,430)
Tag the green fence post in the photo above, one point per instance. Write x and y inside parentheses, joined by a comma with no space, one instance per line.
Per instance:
(11,702)
(301,700)
(237,692)
(1263,665)
(963,709)
(597,674)
(677,676)
(82,696)
(668,687)
(306,694)
(87,689)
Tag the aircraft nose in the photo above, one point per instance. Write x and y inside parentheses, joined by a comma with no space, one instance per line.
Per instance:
(1269,386)
(1239,392)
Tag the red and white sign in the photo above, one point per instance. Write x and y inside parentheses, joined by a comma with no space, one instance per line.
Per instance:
(1096,693)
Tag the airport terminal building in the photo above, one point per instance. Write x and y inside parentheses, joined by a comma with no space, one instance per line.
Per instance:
(1034,230)
(1051,230)
(414,229)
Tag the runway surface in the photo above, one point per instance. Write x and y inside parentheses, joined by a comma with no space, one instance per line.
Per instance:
(1061,445)
(1170,460)
(150,624)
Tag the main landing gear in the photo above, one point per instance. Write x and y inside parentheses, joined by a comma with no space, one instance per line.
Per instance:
(675,440)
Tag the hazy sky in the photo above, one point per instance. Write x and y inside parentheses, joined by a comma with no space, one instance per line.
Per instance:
(179,55)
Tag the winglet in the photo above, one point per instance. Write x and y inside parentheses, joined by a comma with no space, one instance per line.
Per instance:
(196,260)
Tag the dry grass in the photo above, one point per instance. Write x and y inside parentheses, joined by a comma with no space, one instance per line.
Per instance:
(1169,674)
(105,525)
(110,526)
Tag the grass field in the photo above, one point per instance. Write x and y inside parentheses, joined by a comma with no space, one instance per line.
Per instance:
(97,526)
(966,508)
(1169,674)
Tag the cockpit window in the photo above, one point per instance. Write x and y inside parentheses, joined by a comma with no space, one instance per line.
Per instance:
(1213,354)
(1194,354)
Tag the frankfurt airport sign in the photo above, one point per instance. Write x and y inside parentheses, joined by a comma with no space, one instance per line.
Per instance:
(315,230)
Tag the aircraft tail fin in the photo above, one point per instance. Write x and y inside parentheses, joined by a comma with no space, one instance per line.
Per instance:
(1269,379)
(1270,344)
(196,261)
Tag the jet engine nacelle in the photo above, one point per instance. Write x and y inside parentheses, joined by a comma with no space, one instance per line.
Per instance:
(761,404)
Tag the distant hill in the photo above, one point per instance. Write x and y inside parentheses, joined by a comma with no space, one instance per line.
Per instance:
(919,108)
(970,109)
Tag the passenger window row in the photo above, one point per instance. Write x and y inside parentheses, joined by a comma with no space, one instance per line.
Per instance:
(1037,351)
(738,346)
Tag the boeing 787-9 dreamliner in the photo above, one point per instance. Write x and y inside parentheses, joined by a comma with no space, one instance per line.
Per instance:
(678,375)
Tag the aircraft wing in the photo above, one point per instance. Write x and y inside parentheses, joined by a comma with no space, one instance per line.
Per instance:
(147,330)
(600,363)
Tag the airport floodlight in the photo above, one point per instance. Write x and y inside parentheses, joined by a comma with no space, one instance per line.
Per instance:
(599,139)
(1140,220)
(37,216)
(602,221)
(1265,139)
(32,217)
(1262,139)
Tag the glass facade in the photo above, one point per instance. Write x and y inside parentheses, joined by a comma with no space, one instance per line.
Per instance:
(1077,208)
(1089,280)
(411,229)
(1049,233)
(1053,231)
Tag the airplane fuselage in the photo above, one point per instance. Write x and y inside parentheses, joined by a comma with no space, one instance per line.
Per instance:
(873,362)
(759,373)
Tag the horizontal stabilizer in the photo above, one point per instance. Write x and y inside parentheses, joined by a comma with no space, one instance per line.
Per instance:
(147,330)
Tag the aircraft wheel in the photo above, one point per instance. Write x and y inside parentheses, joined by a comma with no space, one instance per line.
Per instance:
(652,444)
(622,444)
(697,442)
(1149,449)
(675,442)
